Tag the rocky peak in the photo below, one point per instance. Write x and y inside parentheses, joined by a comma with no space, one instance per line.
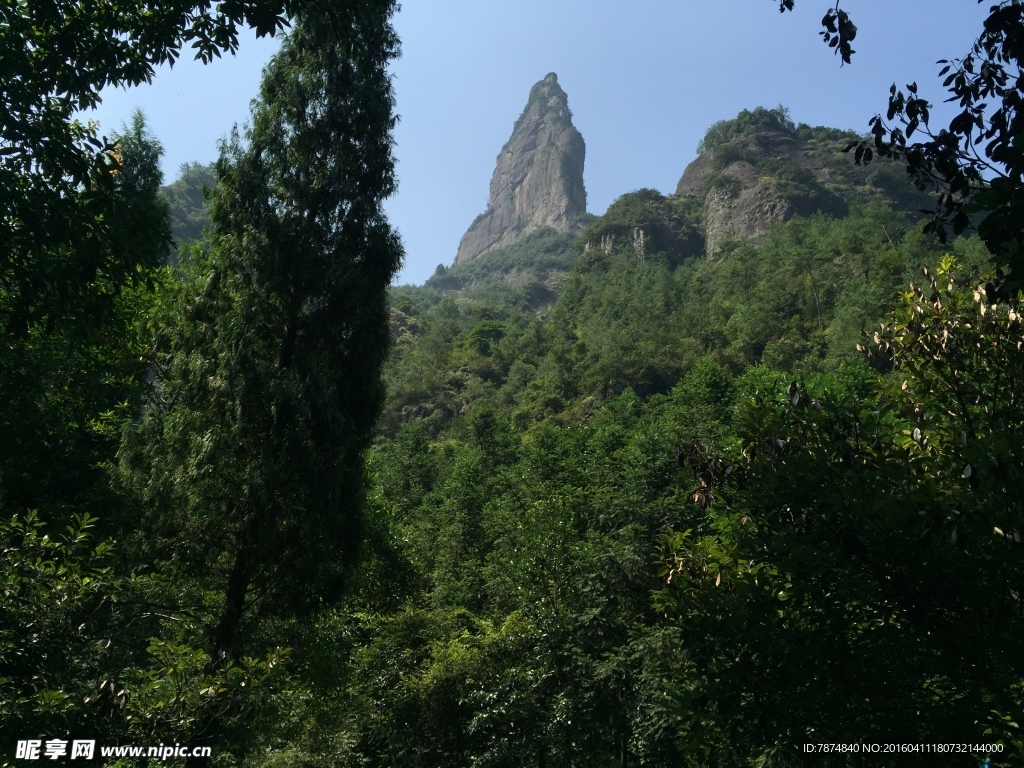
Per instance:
(538,179)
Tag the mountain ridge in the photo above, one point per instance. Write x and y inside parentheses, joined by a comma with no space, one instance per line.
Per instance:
(751,171)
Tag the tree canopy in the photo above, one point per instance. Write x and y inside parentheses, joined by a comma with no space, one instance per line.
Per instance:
(266,347)
(608,496)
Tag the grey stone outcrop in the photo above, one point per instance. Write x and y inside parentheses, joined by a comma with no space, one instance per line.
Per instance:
(538,179)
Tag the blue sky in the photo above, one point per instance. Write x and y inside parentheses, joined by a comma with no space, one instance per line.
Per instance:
(645,79)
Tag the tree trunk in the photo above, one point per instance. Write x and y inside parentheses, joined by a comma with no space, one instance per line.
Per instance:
(234,607)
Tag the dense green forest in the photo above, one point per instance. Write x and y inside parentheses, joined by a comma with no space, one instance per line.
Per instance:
(619,495)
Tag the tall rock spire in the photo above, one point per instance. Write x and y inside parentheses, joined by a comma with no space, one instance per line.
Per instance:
(538,181)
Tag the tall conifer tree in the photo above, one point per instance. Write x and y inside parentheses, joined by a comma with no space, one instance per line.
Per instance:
(249,454)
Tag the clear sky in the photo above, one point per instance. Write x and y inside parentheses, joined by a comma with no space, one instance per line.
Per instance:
(645,79)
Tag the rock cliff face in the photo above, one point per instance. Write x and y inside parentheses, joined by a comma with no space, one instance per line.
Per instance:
(538,181)
(742,198)
(772,175)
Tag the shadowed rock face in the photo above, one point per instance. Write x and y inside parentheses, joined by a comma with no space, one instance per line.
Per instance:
(768,175)
(538,181)
(754,201)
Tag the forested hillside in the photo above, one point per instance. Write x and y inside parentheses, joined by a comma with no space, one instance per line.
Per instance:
(681,508)
(725,477)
